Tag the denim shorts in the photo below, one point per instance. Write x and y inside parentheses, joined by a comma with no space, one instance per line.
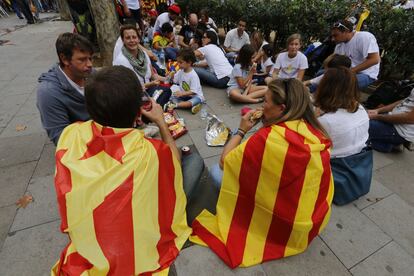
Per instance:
(195,100)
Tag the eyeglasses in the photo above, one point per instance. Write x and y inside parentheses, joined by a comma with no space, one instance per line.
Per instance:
(340,25)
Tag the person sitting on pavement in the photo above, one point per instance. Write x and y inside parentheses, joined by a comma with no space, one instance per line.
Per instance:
(240,86)
(165,41)
(235,39)
(276,186)
(60,94)
(361,47)
(266,62)
(188,34)
(133,9)
(135,58)
(117,191)
(392,126)
(257,41)
(216,69)
(166,17)
(206,21)
(186,91)
(292,63)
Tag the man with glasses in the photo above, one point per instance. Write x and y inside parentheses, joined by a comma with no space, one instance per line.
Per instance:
(235,39)
(361,47)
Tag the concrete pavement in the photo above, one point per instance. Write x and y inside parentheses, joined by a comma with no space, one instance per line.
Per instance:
(372,236)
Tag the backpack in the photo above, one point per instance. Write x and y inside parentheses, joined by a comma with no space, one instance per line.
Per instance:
(389,92)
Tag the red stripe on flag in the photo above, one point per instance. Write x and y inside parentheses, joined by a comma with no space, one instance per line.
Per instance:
(290,187)
(167,250)
(321,207)
(212,241)
(114,228)
(75,265)
(63,185)
(248,180)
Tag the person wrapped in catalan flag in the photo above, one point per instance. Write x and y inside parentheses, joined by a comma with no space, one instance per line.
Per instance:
(276,187)
(120,195)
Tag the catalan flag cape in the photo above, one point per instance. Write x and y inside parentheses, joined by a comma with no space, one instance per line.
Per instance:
(121,201)
(275,197)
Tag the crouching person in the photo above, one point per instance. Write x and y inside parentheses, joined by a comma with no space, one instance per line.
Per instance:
(120,195)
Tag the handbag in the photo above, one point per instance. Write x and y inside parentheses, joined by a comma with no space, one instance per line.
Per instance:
(352,176)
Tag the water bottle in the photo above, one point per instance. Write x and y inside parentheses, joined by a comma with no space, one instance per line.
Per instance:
(203,112)
(162,59)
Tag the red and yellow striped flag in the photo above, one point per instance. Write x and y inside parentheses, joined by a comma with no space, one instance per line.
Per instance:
(121,201)
(275,197)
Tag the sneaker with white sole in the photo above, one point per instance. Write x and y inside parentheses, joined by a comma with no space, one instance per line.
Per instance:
(195,109)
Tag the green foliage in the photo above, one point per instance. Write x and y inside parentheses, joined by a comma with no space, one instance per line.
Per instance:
(393,28)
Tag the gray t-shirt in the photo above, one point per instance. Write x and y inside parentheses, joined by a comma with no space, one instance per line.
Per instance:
(237,72)
(405,130)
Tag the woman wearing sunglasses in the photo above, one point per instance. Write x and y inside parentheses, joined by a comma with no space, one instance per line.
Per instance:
(276,186)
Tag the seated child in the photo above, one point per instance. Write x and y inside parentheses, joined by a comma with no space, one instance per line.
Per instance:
(266,64)
(187,91)
(165,42)
(240,86)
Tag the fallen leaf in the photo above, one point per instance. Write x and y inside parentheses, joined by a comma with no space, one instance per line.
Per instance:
(24,201)
(20,127)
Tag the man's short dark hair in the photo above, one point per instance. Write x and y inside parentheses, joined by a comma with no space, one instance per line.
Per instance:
(187,55)
(113,97)
(166,28)
(67,42)
(242,19)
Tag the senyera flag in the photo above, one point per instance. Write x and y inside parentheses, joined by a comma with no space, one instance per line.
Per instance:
(121,201)
(275,197)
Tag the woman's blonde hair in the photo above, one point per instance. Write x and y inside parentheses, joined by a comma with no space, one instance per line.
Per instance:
(295,96)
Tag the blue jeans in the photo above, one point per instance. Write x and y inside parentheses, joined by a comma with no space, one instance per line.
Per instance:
(383,136)
(194,100)
(171,53)
(216,174)
(231,56)
(364,80)
(210,78)
(192,168)
(164,97)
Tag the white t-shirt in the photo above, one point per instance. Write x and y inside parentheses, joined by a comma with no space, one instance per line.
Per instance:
(405,130)
(117,49)
(78,88)
(216,60)
(348,131)
(289,67)
(358,48)
(161,19)
(132,4)
(187,80)
(237,72)
(122,60)
(234,41)
(265,64)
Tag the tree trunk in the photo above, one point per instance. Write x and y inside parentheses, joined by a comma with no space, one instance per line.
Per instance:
(64,10)
(107,27)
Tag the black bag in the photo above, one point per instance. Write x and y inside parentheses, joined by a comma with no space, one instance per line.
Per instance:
(389,92)
(352,176)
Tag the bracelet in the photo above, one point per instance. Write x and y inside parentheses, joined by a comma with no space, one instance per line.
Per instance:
(241,132)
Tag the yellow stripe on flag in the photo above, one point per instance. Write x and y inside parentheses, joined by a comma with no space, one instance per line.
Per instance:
(266,193)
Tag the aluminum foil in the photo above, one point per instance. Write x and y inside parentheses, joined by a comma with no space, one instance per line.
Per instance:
(217,133)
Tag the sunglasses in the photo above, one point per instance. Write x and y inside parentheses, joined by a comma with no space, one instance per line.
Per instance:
(340,25)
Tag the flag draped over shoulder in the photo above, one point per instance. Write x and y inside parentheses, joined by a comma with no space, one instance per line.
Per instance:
(275,197)
(121,201)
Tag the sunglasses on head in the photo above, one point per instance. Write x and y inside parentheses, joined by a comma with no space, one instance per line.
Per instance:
(340,25)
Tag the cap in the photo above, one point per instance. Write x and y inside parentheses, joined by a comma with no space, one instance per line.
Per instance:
(174,8)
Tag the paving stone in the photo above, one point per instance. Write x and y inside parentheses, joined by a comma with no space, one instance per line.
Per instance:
(198,137)
(184,140)
(9,106)
(16,150)
(32,251)
(389,260)
(317,260)
(194,122)
(43,208)
(7,214)
(30,121)
(352,236)
(46,164)
(28,108)
(14,181)
(398,177)
(212,160)
(377,192)
(396,218)
(17,87)
(7,75)
(211,93)
(381,160)
(200,261)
